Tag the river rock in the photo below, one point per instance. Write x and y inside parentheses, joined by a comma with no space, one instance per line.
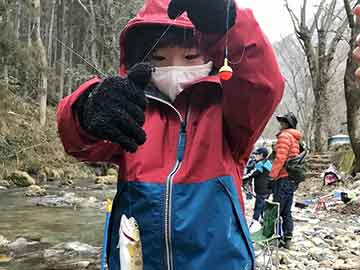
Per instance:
(353,263)
(100,186)
(21,244)
(35,191)
(32,236)
(106,180)
(318,254)
(70,265)
(42,178)
(5,259)
(71,249)
(54,174)
(21,178)
(66,182)
(91,202)
(346,265)
(112,171)
(3,241)
(81,249)
(326,264)
(5,183)
(66,200)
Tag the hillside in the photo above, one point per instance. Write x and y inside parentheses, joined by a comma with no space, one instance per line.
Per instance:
(25,146)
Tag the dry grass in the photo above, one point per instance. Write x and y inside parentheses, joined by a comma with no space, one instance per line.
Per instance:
(24,145)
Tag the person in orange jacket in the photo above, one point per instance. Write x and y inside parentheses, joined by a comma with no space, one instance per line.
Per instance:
(287,146)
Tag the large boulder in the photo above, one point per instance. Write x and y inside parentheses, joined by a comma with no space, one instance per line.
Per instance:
(35,191)
(22,179)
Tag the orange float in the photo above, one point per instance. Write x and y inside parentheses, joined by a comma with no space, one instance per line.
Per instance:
(225,71)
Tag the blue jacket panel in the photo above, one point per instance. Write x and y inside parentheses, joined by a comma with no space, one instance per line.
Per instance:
(205,234)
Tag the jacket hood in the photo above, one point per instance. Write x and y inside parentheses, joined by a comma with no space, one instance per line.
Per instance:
(153,12)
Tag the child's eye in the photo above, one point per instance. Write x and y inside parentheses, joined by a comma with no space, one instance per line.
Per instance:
(192,56)
(158,58)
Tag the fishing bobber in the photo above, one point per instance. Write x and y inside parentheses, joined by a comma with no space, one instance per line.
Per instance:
(225,71)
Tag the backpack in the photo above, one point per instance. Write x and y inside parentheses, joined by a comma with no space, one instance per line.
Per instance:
(295,166)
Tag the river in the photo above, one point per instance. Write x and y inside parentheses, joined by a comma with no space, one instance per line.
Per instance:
(21,217)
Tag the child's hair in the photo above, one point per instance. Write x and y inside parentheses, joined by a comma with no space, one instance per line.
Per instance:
(140,40)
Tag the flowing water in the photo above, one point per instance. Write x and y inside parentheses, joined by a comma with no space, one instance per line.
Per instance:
(20,217)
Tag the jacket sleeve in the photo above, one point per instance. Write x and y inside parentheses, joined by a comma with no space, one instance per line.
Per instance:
(281,154)
(251,96)
(254,173)
(75,140)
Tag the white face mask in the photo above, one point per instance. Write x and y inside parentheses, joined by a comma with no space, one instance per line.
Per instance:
(172,80)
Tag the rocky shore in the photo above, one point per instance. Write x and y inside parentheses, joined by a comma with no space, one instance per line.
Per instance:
(324,239)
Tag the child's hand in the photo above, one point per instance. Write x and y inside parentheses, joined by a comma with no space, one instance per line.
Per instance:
(114,110)
(208,16)
(356,52)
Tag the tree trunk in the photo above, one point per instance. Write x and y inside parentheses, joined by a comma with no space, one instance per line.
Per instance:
(29,31)
(93,48)
(17,19)
(62,51)
(6,74)
(321,118)
(51,29)
(352,88)
(320,55)
(39,45)
(70,78)
(352,95)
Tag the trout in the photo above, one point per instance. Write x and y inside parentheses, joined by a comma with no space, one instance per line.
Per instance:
(130,245)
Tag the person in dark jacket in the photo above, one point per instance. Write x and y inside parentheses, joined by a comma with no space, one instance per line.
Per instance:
(179,134)
(262,183)
(247,184)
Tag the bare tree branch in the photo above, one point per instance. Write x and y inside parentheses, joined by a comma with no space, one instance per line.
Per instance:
(84,8)
(316,17)
(294,19)
(335,41)
(328,15)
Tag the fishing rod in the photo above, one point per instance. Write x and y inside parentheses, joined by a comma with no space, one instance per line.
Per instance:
(225,71)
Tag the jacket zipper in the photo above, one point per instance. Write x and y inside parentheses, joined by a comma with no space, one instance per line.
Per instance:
(169,183)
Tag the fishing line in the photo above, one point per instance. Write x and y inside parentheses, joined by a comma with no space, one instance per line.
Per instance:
(227,37)
(227,28)
(82,58)
(160,38)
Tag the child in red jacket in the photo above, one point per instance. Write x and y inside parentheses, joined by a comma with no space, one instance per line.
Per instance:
(179,135)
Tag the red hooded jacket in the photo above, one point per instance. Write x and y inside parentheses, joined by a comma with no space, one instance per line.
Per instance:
(184,184)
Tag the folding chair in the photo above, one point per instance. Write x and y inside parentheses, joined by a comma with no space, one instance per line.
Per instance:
(266,240)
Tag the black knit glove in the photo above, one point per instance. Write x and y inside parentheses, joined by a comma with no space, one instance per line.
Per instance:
(114,110)
(208,16)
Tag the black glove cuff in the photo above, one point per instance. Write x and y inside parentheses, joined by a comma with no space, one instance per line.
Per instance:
(79,106)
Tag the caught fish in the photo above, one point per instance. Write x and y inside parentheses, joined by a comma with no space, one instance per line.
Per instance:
(130,245)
